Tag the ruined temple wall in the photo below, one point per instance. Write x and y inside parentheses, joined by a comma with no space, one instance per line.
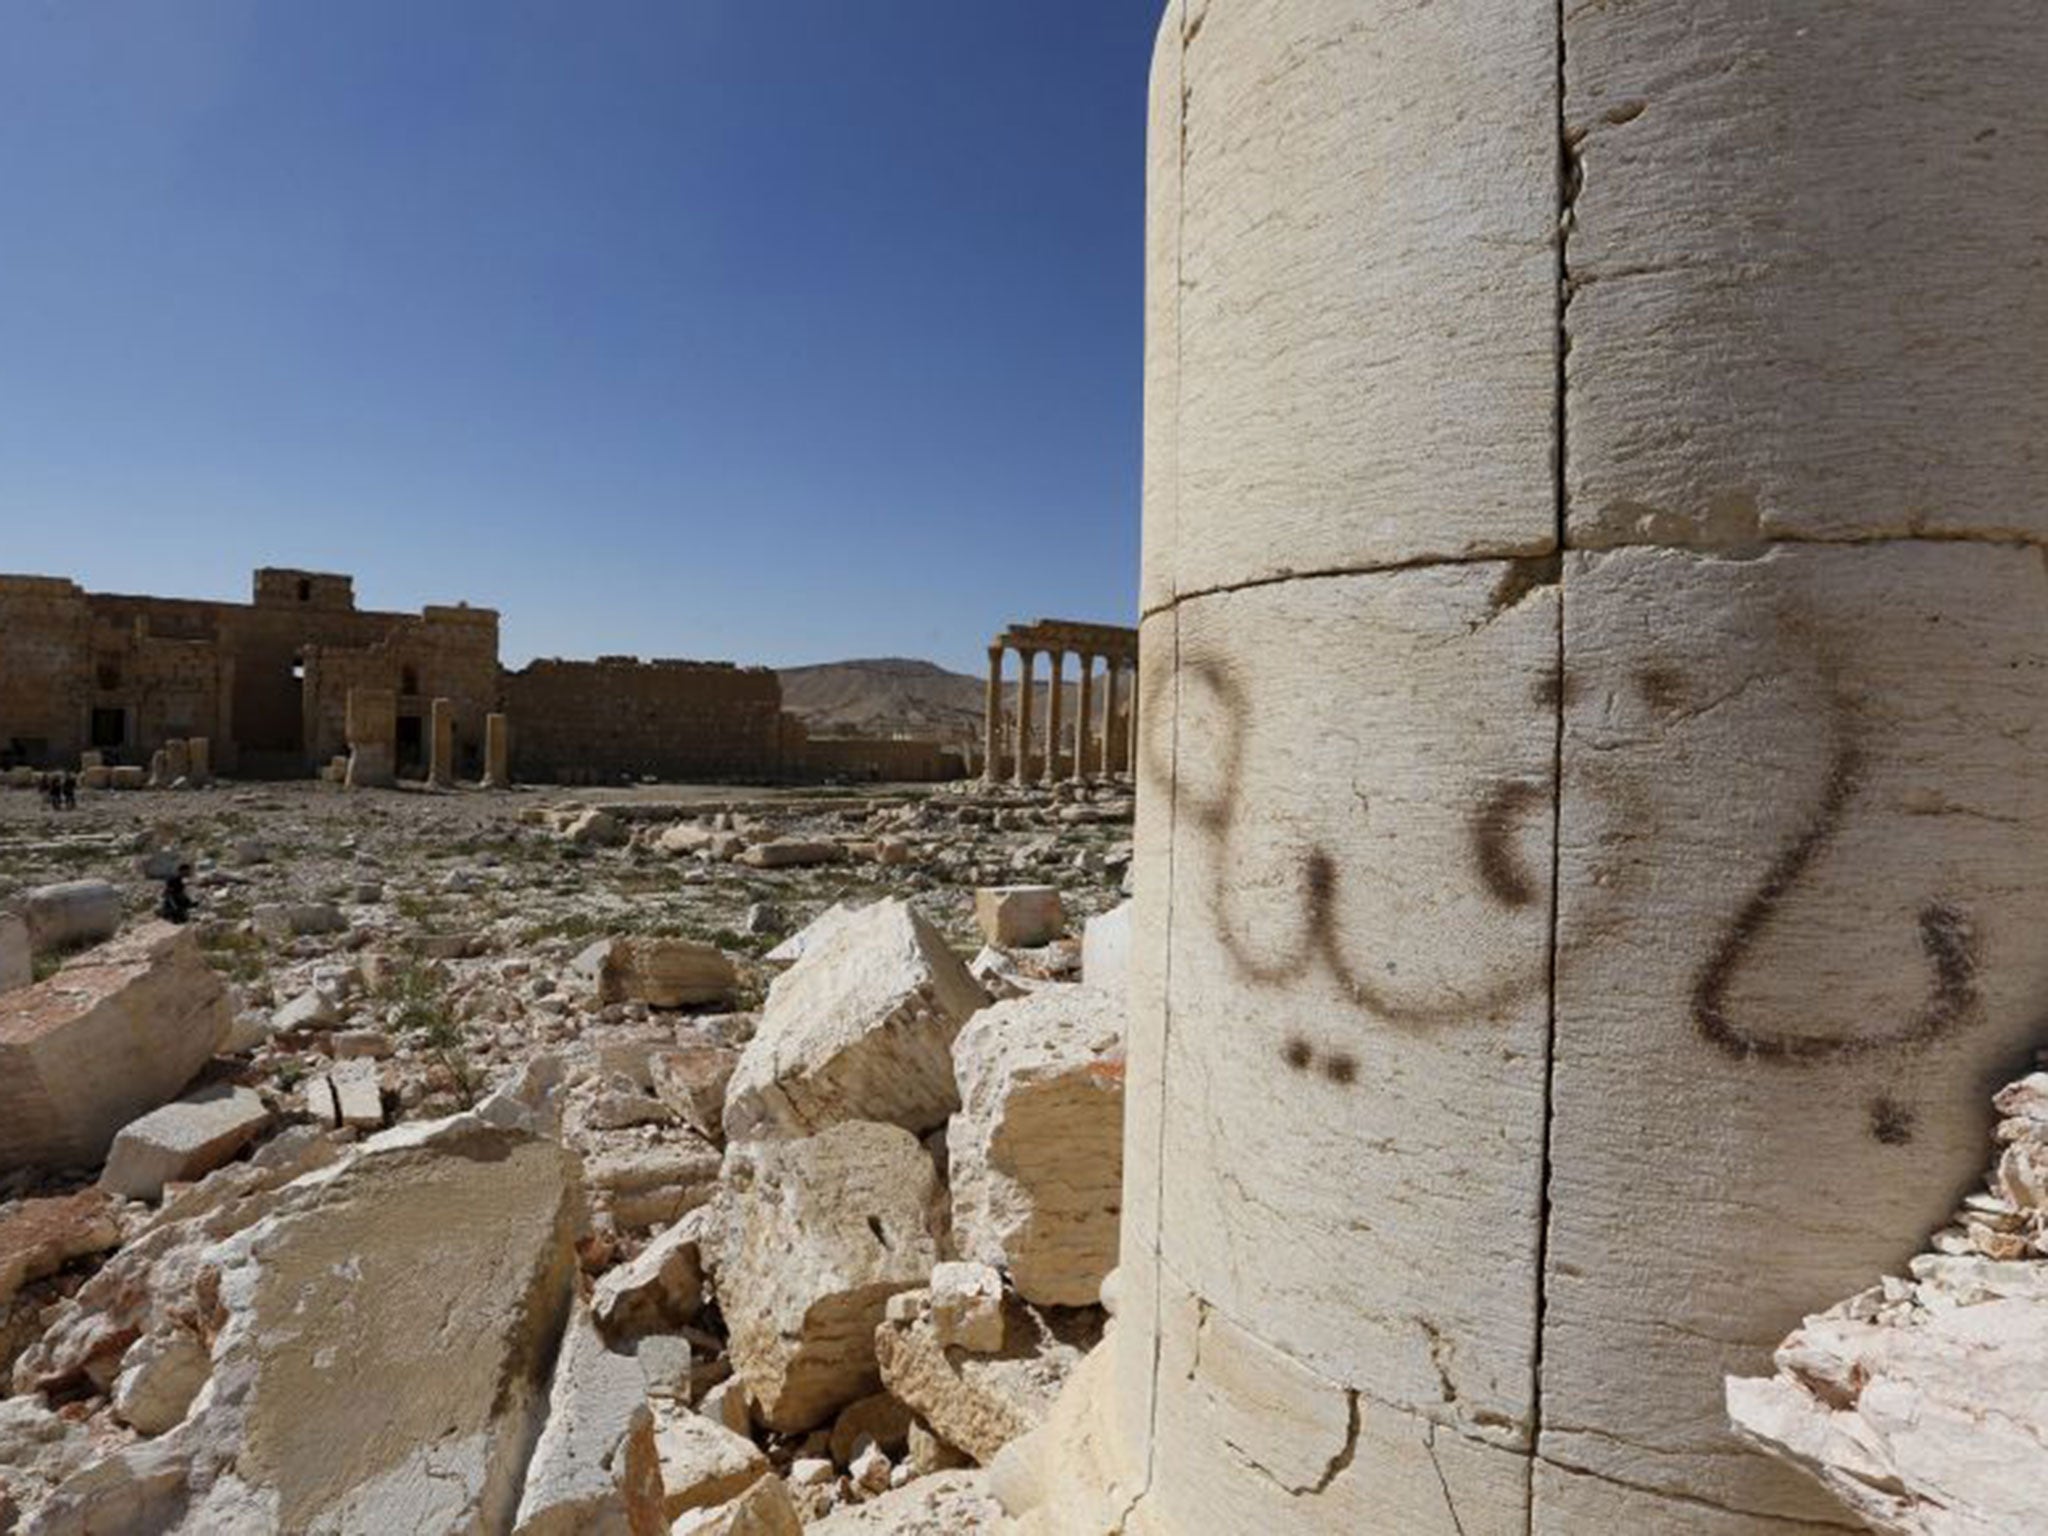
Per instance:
(880,760)
(45,632)
(449,653)
(580,721)
(1591,828)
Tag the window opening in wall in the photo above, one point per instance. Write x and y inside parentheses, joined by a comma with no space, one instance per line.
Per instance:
(409,681)
(109,728)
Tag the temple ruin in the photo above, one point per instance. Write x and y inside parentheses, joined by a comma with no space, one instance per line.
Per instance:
(300,681)
(1099,743)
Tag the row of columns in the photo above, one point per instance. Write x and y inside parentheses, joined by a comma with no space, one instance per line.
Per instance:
(1083,761)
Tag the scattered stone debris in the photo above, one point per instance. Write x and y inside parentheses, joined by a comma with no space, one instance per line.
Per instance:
(1919,1402)
(597,1053)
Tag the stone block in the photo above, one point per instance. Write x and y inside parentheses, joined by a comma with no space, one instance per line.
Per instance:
(183,1140)
(17,961)
(967,1307)
(441,744)
(860,1028)
(39,1237)
(692,1081)
(790,853)
(1106,951)
(497,753)
(665,973)
(658,1290)
(1036,1152)
(129,776)
(948,1504)
(766,1509)
(116,1032)
(1019,916)
(813,933)
(702,1462)
(160,1376)
(71,914)
(594,1470)
(825,1231)
(372,731)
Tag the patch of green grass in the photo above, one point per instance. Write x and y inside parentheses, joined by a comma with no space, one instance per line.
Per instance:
(417,997)
(233,952)
(570,925)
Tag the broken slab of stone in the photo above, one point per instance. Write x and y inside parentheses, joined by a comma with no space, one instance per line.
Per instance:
(813,933)
(981,1402)
(692,1081)
(39,1237)
(1106,951)
(348,1094)
(342,1399)
(595,829)
(824,1231)
(17,961)
(160,1376)
(703,1463)
(967,1307)
(297,919)
(113,1034)
(1919,1403)
(70,914)
(39,1450)
(860,1028)
(1019,916)
(659,1289)
(766,1509)
(182,1140)
(654,1186)
(947,1504)
(594,1470)
(789,853)
(664,973)
(1036,1153)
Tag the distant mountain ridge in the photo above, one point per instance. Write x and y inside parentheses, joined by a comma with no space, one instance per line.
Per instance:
(898,696)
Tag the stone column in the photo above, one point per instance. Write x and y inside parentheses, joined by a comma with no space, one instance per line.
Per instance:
(1028,660)
(992,718)
(1131,745)
(441,744)
(199,753)
(497,753)
(1112,673)
(372,738)
(1055,707)
(1083,718)
(177,762)
(1577,917)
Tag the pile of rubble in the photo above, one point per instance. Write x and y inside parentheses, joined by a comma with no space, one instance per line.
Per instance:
(1921,1403)
(647,1260)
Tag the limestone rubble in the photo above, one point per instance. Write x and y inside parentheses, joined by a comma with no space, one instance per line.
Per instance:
(1920,1403)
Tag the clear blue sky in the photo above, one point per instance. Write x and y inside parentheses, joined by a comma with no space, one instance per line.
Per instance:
(771,330)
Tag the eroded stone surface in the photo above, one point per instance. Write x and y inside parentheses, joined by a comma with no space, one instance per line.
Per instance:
(183,1140)
(594,1470)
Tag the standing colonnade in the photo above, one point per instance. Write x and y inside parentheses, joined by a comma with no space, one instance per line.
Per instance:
(1099,743)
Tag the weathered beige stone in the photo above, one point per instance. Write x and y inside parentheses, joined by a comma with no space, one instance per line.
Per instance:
(199,761)
(1019,916)
(860,1028)
(950,1504)
(765,1509)
(71,914)
(703,1463)
(595,1470)
(660,1288)
(826,1230)
(812,933)
(692,1081)
(1036,1153)
(967,1307)
(1106,951)
(160,1376)
(441,744)
(790,853)
(39,1237)
(17,962)
(665,973)
(113,1034)
(878,1417)
(183,1140)
(595,828)
(372,730)
(497,752)
(980,1401)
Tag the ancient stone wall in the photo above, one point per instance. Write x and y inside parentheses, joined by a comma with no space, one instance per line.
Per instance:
(1591,826)
(881,760)
(44,633)
(444,652)
(598,721)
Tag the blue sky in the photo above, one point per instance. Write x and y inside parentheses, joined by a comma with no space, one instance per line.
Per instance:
(770,330)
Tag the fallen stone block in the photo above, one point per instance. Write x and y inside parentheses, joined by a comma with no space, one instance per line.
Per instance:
(702,1462)
(685,838)
(879,1418)
(655,1186)
(825,1231)
(17,961)
(380,1415)
(692,1081)
(594,1470)
(981,1402)
(1106,951)
(297,919)
(39,1237)
(1036,1153)
(116,1032)
(160,1376)
(967,1307)
(813,933)
(1019,916)
(183,1140)
(860,1028)
(789,853)
(71,914)
(129,776)
(595,829)
(348,1095)
(948,1504)
(311,1009)
(659,1289)
(766,1509)
(665,973)
(39,1450)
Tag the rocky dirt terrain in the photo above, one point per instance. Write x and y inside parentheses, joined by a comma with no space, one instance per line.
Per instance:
(636,1161)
